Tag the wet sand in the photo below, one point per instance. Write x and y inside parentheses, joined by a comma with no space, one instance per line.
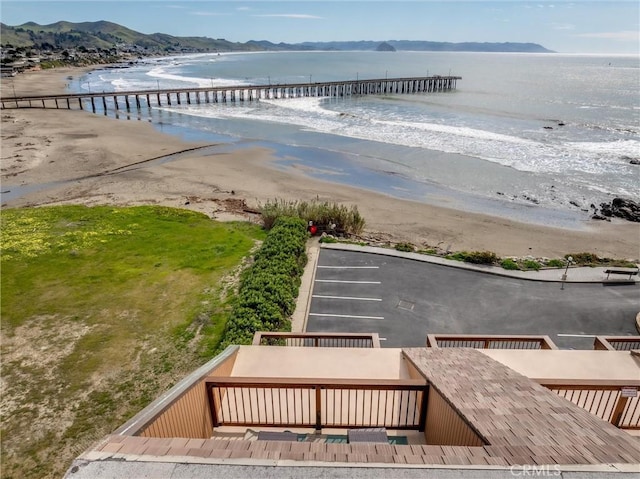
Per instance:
(61,156)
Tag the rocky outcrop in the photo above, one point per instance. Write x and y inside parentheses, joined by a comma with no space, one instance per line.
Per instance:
(385,47)
(618,208)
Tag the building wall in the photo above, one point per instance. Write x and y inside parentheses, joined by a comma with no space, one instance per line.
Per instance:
(445,426)
(188,415)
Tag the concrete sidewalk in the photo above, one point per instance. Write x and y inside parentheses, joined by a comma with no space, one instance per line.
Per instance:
(300,314)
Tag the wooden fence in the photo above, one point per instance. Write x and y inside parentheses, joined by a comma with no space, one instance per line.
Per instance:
(326,340)
(616,402)
(477,341)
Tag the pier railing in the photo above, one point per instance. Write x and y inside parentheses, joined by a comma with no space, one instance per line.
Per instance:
(138,99)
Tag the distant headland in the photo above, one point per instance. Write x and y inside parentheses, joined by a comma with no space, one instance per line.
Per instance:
(100,42)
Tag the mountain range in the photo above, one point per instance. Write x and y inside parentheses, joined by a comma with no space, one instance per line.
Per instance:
(104,35)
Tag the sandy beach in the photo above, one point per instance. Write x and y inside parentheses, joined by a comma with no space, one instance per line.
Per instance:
(61,156)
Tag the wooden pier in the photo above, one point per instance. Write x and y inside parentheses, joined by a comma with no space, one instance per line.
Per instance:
(128,100)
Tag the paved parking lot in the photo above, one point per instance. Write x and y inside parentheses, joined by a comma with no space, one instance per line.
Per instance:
(404,300)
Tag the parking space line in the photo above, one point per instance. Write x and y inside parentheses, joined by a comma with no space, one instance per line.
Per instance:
(345,316)
(349,267)
(346,282)
(346,297)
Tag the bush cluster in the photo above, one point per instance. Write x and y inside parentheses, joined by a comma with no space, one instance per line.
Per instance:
(475,257)
(323,214)
(406,247)
(509,264)
(269,288)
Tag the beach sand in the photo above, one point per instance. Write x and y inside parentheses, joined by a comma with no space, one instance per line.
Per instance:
(79,151)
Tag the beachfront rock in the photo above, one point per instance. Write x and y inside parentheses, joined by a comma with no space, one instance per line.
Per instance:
(621,208)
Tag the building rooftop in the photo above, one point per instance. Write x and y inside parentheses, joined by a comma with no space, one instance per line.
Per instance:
(467,409)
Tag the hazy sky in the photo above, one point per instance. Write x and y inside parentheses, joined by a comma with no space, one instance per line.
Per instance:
(560,25)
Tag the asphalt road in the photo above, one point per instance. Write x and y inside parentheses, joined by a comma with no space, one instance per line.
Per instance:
(404,300)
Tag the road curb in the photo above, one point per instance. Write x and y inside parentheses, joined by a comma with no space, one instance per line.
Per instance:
(303,303)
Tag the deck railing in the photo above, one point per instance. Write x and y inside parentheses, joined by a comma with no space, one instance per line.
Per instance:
(616,343)
(484,341)
(616,402)
(327,340)
(317,403)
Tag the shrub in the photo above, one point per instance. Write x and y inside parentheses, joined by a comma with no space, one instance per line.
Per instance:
(328,239)
(531,264)
(323,214)
(406,247)
(556,263)
(583,258)
(509,264)
(268,289)
(460,256)
(481,257)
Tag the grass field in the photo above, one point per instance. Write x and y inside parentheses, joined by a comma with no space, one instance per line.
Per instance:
(102,310)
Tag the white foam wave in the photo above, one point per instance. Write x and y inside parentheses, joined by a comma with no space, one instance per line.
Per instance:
(311,105)
(524,154)
(177,79)
(609,148)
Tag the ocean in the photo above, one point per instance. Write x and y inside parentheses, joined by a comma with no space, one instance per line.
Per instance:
(530,137)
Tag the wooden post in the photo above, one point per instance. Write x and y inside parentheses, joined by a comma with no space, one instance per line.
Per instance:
(616,416)
(318,408)
(212,406)
(422,421)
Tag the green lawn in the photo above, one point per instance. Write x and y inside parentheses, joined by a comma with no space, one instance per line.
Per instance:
(103,309)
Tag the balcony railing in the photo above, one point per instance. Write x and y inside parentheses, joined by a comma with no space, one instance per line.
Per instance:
(476,341)
(616,402)
(317,403)
(326,340)
(616,343)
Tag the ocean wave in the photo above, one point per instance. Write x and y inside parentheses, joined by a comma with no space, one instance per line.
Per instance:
(514,151)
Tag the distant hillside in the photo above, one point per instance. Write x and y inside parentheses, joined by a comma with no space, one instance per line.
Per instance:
(414,45)
(106,35)
(109,36)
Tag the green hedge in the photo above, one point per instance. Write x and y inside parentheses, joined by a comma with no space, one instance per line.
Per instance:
(269,288)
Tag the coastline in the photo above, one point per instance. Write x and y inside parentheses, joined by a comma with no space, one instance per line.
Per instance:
(79,150)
